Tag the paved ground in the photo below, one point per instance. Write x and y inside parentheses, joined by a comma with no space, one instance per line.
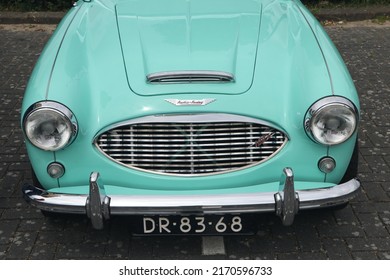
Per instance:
(360,231)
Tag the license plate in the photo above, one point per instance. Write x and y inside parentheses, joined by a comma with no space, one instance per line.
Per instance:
(210,224)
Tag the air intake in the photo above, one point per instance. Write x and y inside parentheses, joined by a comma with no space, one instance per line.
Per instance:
(185,77)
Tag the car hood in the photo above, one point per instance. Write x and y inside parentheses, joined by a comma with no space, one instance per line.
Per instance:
(198,37)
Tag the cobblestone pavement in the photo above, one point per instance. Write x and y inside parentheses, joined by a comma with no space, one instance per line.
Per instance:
(360,231)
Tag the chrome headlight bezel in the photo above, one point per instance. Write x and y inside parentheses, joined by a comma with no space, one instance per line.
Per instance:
(331,120)
(54,115)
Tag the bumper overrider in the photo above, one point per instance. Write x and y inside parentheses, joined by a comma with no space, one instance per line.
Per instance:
(99,207)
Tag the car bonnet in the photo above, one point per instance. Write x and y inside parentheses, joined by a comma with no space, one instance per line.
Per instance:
(213,43)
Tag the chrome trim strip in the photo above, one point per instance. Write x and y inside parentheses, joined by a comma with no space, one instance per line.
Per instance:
(194,76)
(187,204)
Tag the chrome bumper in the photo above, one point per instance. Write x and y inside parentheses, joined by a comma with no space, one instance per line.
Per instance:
(99,207)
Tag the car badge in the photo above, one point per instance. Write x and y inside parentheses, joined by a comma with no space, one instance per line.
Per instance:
(190,102)
(263,139)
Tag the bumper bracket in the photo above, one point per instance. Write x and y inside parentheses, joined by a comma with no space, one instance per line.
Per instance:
(97,204)
(287,200)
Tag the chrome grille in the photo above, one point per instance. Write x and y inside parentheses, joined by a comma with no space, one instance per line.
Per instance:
(191,148)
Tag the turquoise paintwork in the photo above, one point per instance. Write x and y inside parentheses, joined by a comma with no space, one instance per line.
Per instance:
(97,61)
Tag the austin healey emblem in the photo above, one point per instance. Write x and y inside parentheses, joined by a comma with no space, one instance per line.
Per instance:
(190,102)
(263,139)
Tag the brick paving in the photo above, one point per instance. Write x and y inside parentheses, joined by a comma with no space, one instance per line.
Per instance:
(360,231)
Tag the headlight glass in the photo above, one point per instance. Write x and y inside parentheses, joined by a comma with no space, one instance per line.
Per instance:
(50,126)
(332,120)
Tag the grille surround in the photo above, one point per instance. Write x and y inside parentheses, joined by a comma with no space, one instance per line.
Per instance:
(191,145)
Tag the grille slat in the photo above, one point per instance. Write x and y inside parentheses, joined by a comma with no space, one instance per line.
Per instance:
(174,158)
(186,148)
(148,153)
(197,142)
(237,135)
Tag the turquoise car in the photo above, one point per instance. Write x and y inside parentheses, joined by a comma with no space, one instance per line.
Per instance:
(189,116)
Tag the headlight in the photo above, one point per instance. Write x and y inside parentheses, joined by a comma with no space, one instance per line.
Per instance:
(50,126)
(332,120)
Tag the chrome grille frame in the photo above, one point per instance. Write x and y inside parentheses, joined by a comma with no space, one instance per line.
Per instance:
(191,145)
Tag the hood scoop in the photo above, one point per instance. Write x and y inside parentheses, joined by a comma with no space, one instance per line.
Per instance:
(188,77)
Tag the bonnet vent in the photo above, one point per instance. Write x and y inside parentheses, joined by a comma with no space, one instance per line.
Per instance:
(190,77)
